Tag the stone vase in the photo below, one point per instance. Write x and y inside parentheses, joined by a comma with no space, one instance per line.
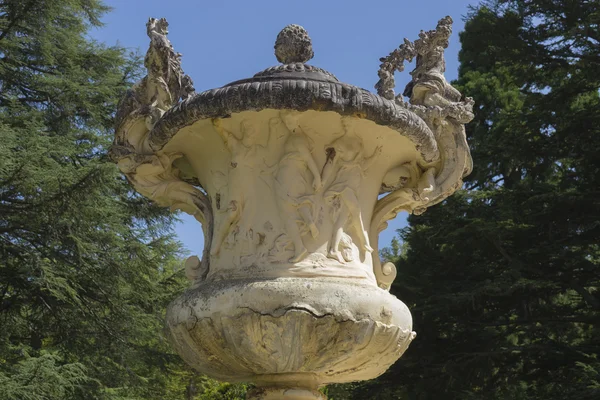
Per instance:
(293,175)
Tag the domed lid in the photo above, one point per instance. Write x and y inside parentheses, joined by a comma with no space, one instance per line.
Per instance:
(294,85)
(293,48)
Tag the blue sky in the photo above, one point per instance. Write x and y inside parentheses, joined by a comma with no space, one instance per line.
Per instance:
(223,41)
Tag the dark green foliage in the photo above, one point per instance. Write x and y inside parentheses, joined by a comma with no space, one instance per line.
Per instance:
(503,278)
(213,390)
(86,266)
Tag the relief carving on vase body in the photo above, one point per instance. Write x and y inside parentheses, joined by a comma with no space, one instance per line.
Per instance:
(297,181)
(314,183)
(244,172)
(346,166)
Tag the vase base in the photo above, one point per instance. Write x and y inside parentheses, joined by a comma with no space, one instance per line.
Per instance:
(289,332)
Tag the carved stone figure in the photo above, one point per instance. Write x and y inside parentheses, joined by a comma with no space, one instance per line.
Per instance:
(298,173)
(241,200)
(445,111)
(153,173)
(297,179)
(428,86)
(430,94)
(163,87)
(347,165)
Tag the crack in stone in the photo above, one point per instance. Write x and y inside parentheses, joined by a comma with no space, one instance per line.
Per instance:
(280,312)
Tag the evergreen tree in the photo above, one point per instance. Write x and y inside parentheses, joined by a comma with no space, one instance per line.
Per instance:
(86,265)
(503,278)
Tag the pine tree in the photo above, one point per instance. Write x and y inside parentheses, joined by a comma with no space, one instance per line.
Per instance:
(86,265)
(503,278)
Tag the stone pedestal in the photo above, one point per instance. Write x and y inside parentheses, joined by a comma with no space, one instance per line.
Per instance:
(293,174)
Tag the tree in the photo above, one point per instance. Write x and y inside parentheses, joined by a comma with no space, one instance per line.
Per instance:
(503,278)
(86,265)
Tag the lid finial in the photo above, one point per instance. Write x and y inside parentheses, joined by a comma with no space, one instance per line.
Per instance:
(293,45)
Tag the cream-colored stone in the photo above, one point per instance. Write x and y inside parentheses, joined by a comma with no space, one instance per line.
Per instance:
(285,205)
(322,330)
(290,292)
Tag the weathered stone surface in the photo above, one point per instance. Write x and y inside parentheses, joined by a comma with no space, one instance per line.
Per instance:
(293,45)
(300,94)
(281,331)
(286,172)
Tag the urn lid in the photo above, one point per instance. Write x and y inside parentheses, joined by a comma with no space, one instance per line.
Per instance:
(293,49)
(295,85)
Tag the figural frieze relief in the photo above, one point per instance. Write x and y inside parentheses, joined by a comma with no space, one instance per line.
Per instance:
(313,183)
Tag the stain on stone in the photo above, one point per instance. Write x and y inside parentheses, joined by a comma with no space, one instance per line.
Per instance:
(261,238)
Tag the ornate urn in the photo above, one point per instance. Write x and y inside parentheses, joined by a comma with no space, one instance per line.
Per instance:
(292,175)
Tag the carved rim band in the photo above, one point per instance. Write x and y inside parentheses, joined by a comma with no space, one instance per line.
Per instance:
(300,95)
